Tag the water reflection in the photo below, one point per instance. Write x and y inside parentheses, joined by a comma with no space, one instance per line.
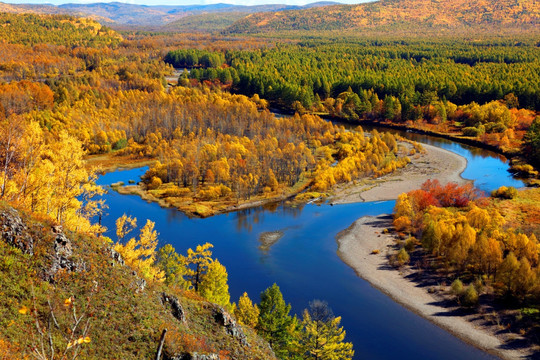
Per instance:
(303,261)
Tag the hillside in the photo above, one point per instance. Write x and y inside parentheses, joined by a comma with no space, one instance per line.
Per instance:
(399,15)
(64,30)
(208,22)
(141,15)
(49,277)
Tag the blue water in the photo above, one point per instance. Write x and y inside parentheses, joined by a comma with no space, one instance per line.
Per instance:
(304,262)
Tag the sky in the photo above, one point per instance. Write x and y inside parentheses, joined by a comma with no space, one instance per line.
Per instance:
(178,2)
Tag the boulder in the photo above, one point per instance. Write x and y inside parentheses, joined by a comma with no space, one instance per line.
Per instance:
(62,256)
(194,356)
(225,319)
(15,232)
(176,308)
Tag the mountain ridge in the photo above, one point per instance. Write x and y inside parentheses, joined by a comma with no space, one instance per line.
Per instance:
(146,15)
(398,15)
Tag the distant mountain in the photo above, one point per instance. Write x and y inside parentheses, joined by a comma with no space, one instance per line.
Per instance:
(411,15)
(159,15)
(207,22)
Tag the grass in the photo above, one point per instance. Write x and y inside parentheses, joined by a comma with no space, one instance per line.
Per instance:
(123,323)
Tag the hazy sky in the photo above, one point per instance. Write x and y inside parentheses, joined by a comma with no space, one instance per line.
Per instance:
(179,2)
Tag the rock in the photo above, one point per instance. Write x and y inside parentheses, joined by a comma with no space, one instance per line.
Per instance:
(14,231)
(62,256)
(116,256)
(193,356)
(224,319)
(176,308)
(139,284)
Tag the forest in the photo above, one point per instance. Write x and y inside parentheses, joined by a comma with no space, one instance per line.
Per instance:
(487,91)
(491,243)
(78,98)
(101,95)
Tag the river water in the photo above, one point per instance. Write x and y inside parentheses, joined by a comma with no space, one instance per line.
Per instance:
(304,263)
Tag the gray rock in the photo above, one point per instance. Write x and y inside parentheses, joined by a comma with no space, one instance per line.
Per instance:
(176,308)
(224,319)
(116,256)
(62,256)
(14,231)
(139,284)
(194,356)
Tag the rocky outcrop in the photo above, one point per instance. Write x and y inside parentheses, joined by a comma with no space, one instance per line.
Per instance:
(225,319)
(176,308)
(15,232)
(115,256)
(194,356)
(138,283)
(62,255)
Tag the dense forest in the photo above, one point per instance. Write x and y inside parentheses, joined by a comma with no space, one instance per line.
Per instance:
(487,90)
(401,16)
(487,246)
(77,97)
(84,90)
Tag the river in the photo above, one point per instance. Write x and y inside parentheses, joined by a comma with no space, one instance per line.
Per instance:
(304,262)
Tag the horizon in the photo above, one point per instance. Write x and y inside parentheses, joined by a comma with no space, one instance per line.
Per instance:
(179,2)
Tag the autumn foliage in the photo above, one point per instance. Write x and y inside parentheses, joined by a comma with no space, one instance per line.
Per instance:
(467,233)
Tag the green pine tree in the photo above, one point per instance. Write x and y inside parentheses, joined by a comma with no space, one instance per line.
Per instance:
(275,321)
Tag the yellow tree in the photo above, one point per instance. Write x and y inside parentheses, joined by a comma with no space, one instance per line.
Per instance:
(246,312)
(140,254)
(198,262)
(214,287)
(486,255)
(324,340)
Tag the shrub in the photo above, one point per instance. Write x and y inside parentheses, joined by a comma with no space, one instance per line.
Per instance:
(505,192)
(120,144)
(470,297)
(457,288)
(155,182)
(472,131)
(410,243)
(403,257)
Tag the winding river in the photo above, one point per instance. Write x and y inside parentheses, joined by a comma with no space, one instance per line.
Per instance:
(304,263)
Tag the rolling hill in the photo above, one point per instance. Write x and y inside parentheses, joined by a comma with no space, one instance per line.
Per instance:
(399,15)
(141,15)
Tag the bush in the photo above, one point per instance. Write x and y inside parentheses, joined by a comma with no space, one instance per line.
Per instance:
(175,191)
(470,297)
(505,192)
(472,131)
(120,144)
(457,288)
(154,183)
(403,257)
(524,170)
(410,244)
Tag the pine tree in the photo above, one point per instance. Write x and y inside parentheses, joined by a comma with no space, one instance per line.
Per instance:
(275,321)
(324,341)
(214,287)
(173,266)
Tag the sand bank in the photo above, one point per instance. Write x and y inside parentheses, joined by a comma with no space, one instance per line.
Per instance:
(434,163)
(355,247)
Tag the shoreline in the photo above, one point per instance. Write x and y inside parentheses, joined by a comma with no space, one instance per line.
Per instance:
(433,163)
(355,247)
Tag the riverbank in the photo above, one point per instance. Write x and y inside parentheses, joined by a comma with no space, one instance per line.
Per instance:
(433,163)
(365,247)
(203,209)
